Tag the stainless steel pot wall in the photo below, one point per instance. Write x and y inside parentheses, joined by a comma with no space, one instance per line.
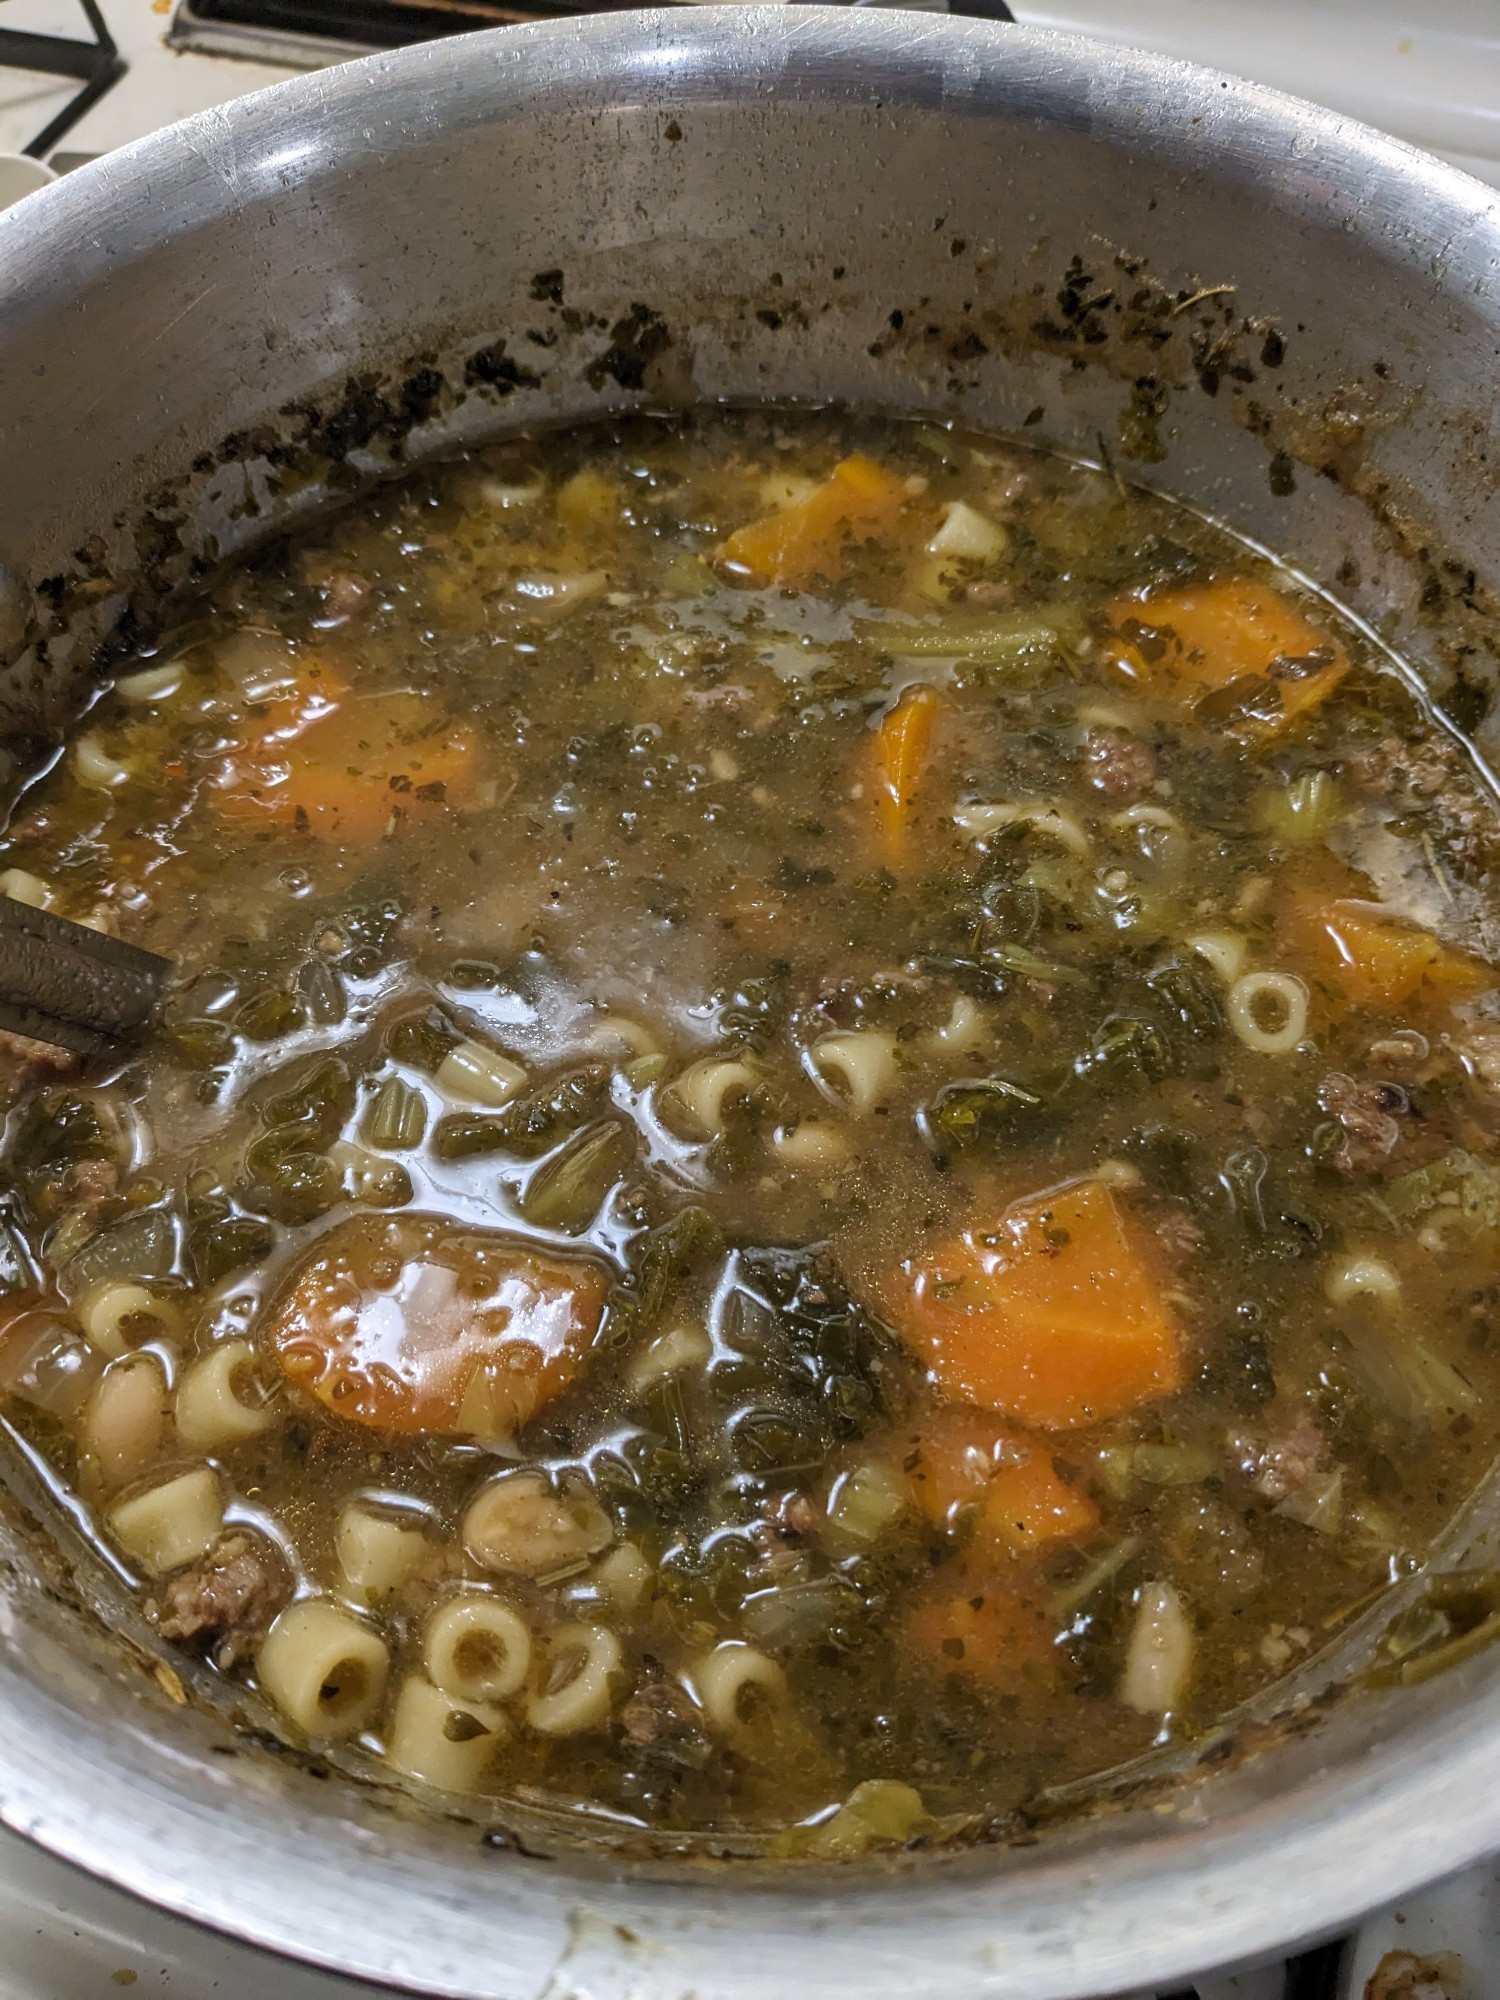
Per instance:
(1285,318)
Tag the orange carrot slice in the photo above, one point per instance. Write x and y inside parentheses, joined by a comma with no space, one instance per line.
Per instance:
(1198,640)
(345,766)
(1050,1316)
(816,536)
(968,1466)
(414,1325)
(901,742)
(1361,956)
(987,1631)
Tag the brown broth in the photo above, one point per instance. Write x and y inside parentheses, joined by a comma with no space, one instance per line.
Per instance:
(619,959)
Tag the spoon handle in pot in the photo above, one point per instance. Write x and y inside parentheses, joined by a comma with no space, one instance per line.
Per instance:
(63,983)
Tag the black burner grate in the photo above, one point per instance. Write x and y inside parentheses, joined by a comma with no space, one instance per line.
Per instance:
(96,64)
(374,24)
(318,30)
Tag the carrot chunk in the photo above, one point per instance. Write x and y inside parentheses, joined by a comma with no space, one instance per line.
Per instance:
(1049,1316)
(816,536)
(968,1466)
(1361,956)
(986,1631)
(1229,633)
(340,765)
(899,751)
(413,1325)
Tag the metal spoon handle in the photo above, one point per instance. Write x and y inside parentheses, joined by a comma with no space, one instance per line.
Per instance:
(61,982)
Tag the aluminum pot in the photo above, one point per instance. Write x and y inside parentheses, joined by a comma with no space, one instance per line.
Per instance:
(1282,317)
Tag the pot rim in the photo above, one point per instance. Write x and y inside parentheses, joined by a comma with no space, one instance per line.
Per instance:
(1341,1840)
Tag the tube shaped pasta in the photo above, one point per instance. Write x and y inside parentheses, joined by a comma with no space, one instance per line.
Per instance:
(1268,1011)
(116,1316)
(732,1681)
(377,1551)
(477,1648)
(684,1345)
(125,1417)
(479,1075)
(439,1741)
(696,1100)
(170,1524)
(583,1662)
(624,1576)
(211,1411)
(324,1668)
(859,1068)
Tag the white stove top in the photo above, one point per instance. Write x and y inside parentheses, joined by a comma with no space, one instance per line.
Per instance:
(1428,70)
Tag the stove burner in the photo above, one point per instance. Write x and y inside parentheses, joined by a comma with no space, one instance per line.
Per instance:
(97,64)
(316,31)
(302,31)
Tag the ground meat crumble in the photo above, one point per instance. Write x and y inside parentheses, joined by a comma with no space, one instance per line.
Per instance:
(224,1603)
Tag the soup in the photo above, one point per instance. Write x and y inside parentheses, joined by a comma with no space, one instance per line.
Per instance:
(822,1155)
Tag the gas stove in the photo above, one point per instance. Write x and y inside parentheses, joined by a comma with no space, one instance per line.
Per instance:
(1428,70)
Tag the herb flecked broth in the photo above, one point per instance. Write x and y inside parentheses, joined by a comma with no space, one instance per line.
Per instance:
(824,1140)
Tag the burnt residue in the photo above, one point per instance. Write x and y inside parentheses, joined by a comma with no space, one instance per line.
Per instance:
(371,409)
(493,368)
(1109,312)
(636,340)
(1104,311)
(1139,423)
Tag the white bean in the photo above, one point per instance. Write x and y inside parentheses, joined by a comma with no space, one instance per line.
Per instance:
(1359,1276)
(509,494)
(1145,815)
(125,1417)
(810,1146)
(1159,1656)
(519,1525)
(151,683)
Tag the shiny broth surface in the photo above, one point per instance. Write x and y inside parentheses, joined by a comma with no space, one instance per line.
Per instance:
(823,1155)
